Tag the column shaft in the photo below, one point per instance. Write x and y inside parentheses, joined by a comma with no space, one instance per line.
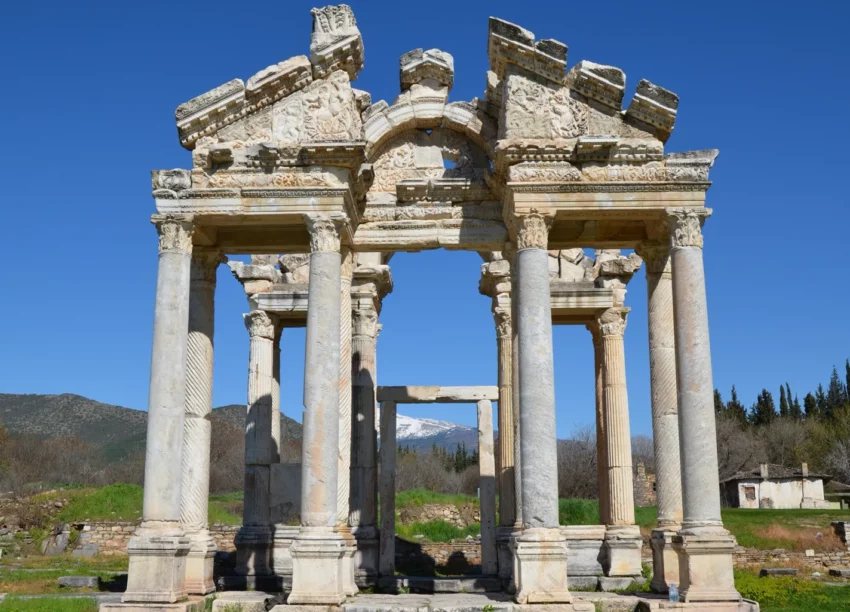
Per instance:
(487,488)
(507,496)
(617,432)
(158,549)
(537,391)
(344,467)
(197,427)
(364,487)
(277,432)
(387,488)
(601,436)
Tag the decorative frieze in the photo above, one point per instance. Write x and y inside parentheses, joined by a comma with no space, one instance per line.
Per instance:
(418,65)
(175,233)
(509,44)
(655,106)
(685,226)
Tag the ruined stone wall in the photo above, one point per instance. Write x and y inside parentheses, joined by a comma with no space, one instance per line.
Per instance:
(460,516)
(644,485)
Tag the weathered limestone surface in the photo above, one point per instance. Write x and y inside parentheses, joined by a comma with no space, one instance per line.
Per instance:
(437,395)
(197,427)
(487,488)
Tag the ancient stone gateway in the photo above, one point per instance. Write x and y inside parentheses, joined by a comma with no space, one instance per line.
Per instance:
(321,186)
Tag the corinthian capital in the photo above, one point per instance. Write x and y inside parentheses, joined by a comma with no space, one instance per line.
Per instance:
(502,317)
(685,226)
(259,323)
(175,233)
(656,256)
(324,234)
(532,230)
(364,322)
(347,265)
(204,264)
(612,322)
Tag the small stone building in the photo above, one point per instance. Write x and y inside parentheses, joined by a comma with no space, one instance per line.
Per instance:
(644,487)
(775,486)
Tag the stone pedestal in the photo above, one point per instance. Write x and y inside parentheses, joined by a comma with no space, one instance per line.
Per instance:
(665,560)
(540,553)
(704,547)
(540,567)
(623,545)
(318,551)
(158,549)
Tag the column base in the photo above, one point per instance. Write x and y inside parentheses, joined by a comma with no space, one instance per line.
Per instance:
(199,563)
(284,536)
(706,564)
(622,545)
(253,550)
(195,604)
(540,566)
(317,567)
(349,585)
(504,552)
(665,560)
(157,569)
(366,557)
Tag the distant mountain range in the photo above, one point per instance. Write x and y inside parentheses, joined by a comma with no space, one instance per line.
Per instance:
(121,431)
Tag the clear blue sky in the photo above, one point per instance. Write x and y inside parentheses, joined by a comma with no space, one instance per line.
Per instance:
(89,92)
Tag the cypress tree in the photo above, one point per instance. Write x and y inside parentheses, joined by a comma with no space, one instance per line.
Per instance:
(764,410)
(835,393)
(784,410)
(719,408)
(796,409)
(810,405)
(736,408)
(847,379)
(820,398)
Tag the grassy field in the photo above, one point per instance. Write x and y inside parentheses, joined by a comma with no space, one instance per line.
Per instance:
(791,594)
(49,604)
(420,497)
(15,578)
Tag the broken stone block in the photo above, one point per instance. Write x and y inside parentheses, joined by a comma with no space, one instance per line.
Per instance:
(79,582)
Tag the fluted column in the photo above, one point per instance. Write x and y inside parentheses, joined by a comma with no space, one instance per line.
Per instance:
(317,551)
(601,439)
(507,497)
(159,547)
(363,514)
(622,536)
(253,542)
(344,464)
(540,552)
(705,548)
(197,428)
(665,414)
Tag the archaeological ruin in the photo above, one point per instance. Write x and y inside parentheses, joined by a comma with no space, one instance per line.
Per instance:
(320,186)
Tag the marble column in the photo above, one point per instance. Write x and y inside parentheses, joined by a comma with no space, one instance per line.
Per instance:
(622,536)
(387,489)
(665,414)
(196,427)
(344,464)
(159,547)
(254,540)
(277,432)
(704,547)
(601,441)
(318,550)
(487,488)
(541,550)
(507,477)
(363,514)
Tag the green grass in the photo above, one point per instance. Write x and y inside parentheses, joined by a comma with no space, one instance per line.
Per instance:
(49,604)
(745,525)
(118,502)
(791,594)
(586,512)
(420,497)
(436,531)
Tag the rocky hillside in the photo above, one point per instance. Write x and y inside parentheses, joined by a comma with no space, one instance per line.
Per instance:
(119,431)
